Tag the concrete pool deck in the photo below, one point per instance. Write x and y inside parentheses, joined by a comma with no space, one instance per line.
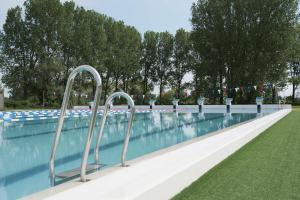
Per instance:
(163,174)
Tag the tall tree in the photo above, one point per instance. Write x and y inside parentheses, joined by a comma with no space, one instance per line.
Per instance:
(182,59)
(17,54)
(131,56)
(164,61)
(41,45)
(108,54)
(42,19)
(118,47)
(243,43)
(208,40)
(149,60)
(98,43)
(1,49)
(66,38)
(294,62)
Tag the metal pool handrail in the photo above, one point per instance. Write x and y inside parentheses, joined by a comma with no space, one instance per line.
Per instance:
(129,127)
(66,98)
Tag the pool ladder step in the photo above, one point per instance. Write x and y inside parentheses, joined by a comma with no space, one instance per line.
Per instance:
(76,172)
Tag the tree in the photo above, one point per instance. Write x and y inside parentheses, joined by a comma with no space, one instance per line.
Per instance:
(43,43)
(200,82)
(164,61)
(42,20)
(1,49)
(98,41)
(208,37)
(181,60)
(294,62)
(131,56)
(149,60)
(243,43)
(117,48)
(16,51)
(66,38)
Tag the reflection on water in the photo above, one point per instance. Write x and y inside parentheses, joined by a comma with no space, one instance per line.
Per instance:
(25,146)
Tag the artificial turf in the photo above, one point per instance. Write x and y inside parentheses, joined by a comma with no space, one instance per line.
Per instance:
(266,168)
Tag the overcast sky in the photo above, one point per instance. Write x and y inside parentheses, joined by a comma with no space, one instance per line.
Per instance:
(156,15)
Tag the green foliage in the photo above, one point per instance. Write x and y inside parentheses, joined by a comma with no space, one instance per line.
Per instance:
(164,63)
(233,43)
(166,97)
(242,43)
(181,60)
(149,60)
(294,62)
(41,44)
(31,102)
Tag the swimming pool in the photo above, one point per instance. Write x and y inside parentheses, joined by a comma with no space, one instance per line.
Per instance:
(25,145)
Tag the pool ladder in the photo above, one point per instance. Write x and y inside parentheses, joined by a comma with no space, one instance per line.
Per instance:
(84,168)
(129,126)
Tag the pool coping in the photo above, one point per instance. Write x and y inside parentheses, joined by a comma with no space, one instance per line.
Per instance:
(164,180)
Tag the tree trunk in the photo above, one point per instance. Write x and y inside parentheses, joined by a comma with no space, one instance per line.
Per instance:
(273,94)
(221,93)
(215,88)
(196,89)
(178,88)
(293,95)
(43,98)
(124,84)
(160,90)
(93,88)
(145,89)
(116,83)
(106,83)
(25,92)
(79,96)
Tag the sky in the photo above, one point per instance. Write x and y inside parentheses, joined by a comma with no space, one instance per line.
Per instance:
(155,15)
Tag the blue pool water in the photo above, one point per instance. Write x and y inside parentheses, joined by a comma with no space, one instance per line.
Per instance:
(25,146)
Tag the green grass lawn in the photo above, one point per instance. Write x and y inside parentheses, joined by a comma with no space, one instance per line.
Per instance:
(266,168)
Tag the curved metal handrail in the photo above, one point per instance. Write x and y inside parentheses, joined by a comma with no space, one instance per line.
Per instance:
(129,127)
(66,98)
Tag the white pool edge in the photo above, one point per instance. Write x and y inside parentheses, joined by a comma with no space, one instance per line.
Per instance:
(164,175)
